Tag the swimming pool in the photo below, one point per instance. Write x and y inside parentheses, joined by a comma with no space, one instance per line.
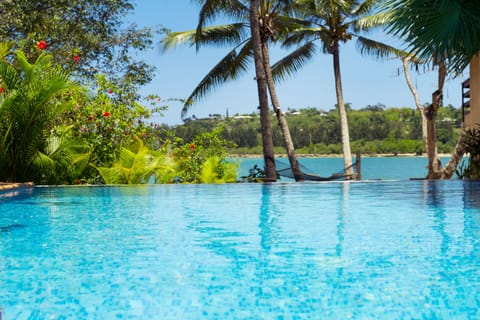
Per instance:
(360,250)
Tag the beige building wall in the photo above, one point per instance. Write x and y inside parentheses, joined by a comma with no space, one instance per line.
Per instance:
(472,118)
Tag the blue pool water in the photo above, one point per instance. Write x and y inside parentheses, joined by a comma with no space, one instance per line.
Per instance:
(355,250)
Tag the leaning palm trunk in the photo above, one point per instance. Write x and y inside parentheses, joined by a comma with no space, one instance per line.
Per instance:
(434,163)
(457,156)
(267,138)
(429,115)
(419,106)
(347,154)
(282,122)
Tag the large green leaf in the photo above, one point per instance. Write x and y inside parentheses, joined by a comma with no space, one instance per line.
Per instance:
(444,28)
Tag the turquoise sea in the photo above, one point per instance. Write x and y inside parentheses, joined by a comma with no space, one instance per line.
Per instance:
(372,249)
(373,168)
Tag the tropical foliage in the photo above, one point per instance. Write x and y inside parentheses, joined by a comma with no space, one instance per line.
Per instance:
(84,36)
(33,95)
(200,161)
(203,159)
(472,148)
(450,29)
(137,164)
(54,131)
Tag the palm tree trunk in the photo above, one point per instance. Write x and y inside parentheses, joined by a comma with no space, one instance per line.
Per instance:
(419,106)
(267,138)
(434,163)
(457,156)
(347,154)
(282,122)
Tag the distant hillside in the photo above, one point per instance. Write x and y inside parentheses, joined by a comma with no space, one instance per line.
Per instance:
(373,130)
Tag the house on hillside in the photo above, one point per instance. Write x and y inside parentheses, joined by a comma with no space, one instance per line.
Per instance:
(471,95)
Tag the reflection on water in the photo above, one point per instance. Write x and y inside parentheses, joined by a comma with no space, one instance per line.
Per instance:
(241,251)
(471,193)
(12,227)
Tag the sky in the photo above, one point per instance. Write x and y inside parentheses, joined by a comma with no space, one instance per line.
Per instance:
(366,81)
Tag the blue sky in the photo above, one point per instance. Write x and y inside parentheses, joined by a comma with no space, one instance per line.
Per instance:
(365,80)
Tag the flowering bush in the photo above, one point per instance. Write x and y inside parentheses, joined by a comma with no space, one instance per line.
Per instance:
(82,133)
(107,121)
(42,45)
(203,160)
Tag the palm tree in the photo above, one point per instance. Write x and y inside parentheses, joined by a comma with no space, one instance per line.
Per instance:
(332,23)
(30,101)
(236,61)
(428,115)
(449,30)
(262,89)
(269,29)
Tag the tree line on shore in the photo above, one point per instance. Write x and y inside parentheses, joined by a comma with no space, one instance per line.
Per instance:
(374,129)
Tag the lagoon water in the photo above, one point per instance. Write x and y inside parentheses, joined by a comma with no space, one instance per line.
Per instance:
(373,168)
(337,250)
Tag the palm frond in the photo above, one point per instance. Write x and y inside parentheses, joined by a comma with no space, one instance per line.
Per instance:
(378,49)
(309,7)
(127,158)
(221,35)
(5,48)
(293,62)
(136,165)
(449,28)
(174,39)
(112,175)
(365,8)
(230,34)
(8,75)
(212,9)
(229,68)
(286,24)
(301,36)
(367,23)
(43,163)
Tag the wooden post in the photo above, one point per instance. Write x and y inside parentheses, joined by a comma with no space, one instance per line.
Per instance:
(358,165)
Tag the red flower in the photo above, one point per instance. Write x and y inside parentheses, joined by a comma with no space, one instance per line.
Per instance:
(76,58)
(106,114)
(1,89)
(110,91)
(42,45)
(192,146)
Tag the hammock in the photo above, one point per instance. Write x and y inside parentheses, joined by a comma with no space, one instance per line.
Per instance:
(287,172)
